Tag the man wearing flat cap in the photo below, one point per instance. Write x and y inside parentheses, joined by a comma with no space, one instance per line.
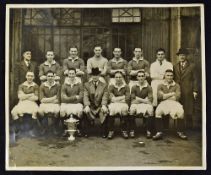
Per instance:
(95,102)
(185,76)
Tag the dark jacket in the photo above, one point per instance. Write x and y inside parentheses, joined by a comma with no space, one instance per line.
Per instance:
(21,70)
(95,98)
(186,78)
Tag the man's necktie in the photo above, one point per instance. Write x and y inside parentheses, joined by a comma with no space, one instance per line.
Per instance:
(95,85)
(29,64)
(182,66)
(161,62)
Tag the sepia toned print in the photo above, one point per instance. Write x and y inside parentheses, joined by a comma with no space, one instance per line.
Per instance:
(113,87)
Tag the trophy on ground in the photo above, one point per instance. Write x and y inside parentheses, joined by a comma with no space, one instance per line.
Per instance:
(71,124)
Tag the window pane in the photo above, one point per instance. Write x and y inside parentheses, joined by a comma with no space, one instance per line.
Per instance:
(67,17)
(62,17)
(38,17)
(126,15)
(136,12)
(137,19)
(96,17)
(115,12)
(126,19)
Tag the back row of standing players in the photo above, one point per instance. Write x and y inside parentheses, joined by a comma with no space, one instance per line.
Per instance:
(184,73)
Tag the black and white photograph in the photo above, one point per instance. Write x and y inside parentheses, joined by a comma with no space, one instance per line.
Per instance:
(105,87)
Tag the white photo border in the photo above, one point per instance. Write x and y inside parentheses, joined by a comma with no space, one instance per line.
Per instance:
(204,136)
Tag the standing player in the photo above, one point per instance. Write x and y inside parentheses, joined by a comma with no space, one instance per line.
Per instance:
(138,63)
(98,61)
(157,71)
(49,65)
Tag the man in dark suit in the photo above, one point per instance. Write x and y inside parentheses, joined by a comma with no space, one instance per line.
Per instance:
(185,76)
(22,67)
(95,102)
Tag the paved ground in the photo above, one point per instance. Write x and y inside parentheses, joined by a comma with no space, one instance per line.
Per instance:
(96,151)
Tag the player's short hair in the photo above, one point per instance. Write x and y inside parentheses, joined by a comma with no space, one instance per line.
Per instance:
(72,69)
(117,48)
(138,47)
(118,72)
(141,71)
(50,51)
(160,50)
(73,47)
(50,72)
(30,72)
(169,70)
(98,46)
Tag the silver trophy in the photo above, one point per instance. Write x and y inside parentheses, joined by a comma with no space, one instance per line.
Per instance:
(71,124)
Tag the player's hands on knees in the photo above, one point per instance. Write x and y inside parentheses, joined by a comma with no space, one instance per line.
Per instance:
(87,109)
(104,109)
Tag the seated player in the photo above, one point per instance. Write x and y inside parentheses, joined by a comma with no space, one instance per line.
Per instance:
(141,103)
(49,64)
(27,95)
(116,64)
(50,99)
(168,95)
(95,102)
(73,61)
(119,97)
(72,97)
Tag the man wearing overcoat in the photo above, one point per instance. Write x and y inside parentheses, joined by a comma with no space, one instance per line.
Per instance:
(185,76)
(95,102)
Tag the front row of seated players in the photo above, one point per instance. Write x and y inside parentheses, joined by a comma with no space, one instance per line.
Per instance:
(96,97)
(141,99)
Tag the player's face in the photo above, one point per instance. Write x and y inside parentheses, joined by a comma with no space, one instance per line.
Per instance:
(30,77)
(141,77)
(50,77)
(117,52)
(118,78)
(72,74)
(169,77)
(73,52)
(182,57)
(160,55)
(27,55)
(97,51)
(50,56)
(138,52)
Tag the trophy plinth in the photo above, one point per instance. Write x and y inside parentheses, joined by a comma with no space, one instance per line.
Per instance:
(71,124)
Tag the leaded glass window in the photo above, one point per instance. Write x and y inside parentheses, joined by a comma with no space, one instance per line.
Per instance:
(96,17)
(67,17)
(38,17)
(56,17)
(125,15)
